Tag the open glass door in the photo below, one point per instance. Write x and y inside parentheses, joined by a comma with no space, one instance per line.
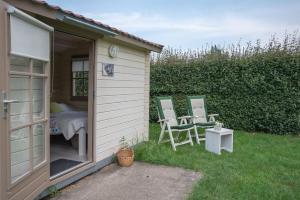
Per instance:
(26,103)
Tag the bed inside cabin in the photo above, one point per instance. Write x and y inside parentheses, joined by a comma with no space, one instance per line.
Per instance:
(69,103)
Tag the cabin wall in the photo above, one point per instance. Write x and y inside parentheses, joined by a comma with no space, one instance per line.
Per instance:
(62,78)
(122,100)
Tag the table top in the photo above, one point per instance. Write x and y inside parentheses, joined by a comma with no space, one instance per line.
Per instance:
(222,131)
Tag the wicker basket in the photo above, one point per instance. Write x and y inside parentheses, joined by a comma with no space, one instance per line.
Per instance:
(125,157)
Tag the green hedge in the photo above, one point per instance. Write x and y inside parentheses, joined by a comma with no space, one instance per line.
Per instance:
(256,90)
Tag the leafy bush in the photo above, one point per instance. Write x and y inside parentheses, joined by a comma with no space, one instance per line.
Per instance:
(253,88)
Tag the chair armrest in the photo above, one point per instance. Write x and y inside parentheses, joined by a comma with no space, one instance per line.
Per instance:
(185,117)
(212,117)
(163,120)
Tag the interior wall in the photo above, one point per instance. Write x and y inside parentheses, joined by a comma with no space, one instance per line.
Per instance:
(61,92)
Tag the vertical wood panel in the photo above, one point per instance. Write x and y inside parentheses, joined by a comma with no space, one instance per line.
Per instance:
(3,78)
(91,105)
(147,96)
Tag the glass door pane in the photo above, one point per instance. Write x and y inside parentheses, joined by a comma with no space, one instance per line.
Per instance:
(38,144)
(19,64)
(20,91)
(38,98)
(20,153)
(27,116)
(38,67)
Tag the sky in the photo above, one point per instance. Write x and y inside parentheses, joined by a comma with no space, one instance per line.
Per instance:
(192,24)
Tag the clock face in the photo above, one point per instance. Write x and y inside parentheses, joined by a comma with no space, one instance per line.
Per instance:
(113,51)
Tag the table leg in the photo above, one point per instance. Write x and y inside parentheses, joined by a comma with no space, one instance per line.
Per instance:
(227,142)
(213,143)
(82,144)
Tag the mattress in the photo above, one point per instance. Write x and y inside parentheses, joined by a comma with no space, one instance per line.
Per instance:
(68,123)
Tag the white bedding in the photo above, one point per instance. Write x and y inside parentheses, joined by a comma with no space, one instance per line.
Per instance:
(69,122)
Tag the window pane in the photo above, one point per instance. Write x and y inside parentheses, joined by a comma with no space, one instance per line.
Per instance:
(74,87)
(19,153)
(38,67)
(38,95)
(78,74)
(86,75)
(19,90)
(19,120)
(85,89)
(20,64)
(86,65)
(80,68)
(38,144)
(78,87)
(19,82)
(77,66)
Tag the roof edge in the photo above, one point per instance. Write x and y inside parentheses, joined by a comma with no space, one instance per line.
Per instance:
(121,34)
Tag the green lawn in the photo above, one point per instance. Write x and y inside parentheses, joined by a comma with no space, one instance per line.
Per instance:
(262,166)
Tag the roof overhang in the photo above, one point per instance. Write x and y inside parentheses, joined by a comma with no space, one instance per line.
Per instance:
(85,25)
(43,9)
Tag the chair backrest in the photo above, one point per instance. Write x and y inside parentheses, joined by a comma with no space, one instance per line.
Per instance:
(197,107)
(165,107)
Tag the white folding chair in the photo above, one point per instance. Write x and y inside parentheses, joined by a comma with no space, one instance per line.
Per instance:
(169,123)
(198,115)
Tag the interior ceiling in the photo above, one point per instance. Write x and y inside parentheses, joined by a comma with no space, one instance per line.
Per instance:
(64,42)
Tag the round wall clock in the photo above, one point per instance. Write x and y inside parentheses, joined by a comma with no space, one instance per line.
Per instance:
(113,51)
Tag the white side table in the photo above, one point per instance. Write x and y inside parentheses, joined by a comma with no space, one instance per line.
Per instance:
(216,140)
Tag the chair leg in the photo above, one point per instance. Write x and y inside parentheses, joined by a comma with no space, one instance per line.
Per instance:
(190,137)
(196,135)
(162,132)
(171,138)
(177,135)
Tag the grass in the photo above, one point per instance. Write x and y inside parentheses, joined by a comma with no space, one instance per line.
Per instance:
(262,166)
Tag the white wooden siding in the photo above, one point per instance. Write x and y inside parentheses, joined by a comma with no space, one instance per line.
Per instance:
(120,100)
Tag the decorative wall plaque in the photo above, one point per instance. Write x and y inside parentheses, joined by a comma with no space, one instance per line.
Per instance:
(108,69)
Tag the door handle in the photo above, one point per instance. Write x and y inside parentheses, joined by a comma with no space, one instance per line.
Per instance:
(8,101)
(5,103)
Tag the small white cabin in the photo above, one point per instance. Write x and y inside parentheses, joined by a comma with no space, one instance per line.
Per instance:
(70,89)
